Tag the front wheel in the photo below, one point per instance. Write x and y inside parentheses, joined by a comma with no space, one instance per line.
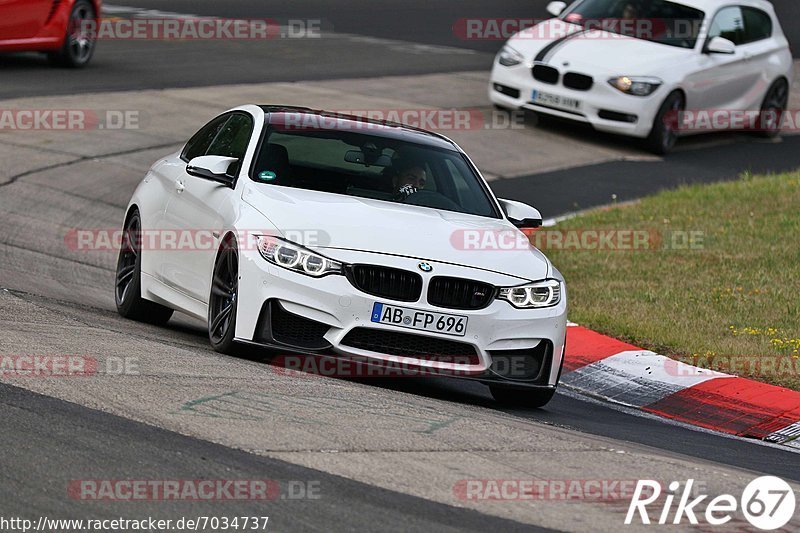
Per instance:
(222,303)
(80,40)
(664,134)
(521,397)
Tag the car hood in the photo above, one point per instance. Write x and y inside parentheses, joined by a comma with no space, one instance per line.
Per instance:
(596,52)
(326,222)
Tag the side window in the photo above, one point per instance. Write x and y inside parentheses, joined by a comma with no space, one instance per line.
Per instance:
(728,24)
(200,141)
(232,138)
(757,24)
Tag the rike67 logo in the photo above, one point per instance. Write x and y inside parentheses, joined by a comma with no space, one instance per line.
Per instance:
(768,503)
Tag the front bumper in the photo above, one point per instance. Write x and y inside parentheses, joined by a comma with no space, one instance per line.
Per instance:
(493,334)
(602,106)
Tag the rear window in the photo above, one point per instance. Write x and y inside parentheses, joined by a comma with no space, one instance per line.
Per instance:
(757,24)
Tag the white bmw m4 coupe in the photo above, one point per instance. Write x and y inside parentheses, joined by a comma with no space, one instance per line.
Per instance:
(652,69)
(317,233)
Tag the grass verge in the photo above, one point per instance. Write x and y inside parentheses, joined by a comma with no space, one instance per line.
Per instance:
(718,286)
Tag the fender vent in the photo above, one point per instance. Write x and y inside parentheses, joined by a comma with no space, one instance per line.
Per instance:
(53,8)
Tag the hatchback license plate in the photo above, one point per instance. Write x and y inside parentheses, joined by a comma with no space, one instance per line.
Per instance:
(555,100)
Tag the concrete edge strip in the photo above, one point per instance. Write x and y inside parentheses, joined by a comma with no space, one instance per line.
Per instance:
(602,367)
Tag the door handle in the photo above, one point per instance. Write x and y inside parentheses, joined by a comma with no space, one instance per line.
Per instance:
(179,186)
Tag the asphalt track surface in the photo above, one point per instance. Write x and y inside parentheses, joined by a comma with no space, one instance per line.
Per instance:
(375,38)
(619,181)
(47,440)
(102,439)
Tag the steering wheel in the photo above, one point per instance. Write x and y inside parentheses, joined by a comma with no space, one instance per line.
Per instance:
(432,199)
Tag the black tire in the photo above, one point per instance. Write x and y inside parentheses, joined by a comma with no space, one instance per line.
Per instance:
(79,42)
(664,134)
(222,302)
(128,279)
(533,398)
(772,109)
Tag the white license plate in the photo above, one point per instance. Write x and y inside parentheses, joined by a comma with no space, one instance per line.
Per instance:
(555,100)
(405,317)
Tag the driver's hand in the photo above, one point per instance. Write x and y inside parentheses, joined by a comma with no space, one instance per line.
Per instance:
(406,190)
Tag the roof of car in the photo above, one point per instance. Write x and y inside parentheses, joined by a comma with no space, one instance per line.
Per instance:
(710,5)
(305,117)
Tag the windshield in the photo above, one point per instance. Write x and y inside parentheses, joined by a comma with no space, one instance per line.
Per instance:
(371,166)
(653,20)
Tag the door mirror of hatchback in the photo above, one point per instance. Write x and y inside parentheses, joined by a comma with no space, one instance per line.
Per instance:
(521,215)
(213,167)
(556,8)
(720,45)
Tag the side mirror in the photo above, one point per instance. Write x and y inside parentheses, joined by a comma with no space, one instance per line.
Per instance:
(720,45)
(213,168)
(556,8)
(521,215)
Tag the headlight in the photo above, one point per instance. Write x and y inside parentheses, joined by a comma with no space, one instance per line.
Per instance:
(545,293)
(637,86)
(294,257)
(508,57)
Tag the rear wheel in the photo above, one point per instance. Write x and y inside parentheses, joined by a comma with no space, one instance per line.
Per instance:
(222,302)
(664,134)
(79,41)
(128,281)
(775,102)
(521,397)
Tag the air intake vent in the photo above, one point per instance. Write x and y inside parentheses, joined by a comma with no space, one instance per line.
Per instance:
(386,282)
(276,325)
(457,293)
(411,345)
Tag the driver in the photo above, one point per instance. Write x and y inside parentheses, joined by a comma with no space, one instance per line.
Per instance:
(410,178)
(630,12)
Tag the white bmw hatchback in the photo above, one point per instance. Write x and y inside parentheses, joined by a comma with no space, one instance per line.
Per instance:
(303,231)
(649,69)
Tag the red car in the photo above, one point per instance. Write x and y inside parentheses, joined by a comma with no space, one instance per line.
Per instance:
(59,28)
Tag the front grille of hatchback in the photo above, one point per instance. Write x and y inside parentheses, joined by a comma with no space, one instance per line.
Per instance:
(578,82)
(545,74)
